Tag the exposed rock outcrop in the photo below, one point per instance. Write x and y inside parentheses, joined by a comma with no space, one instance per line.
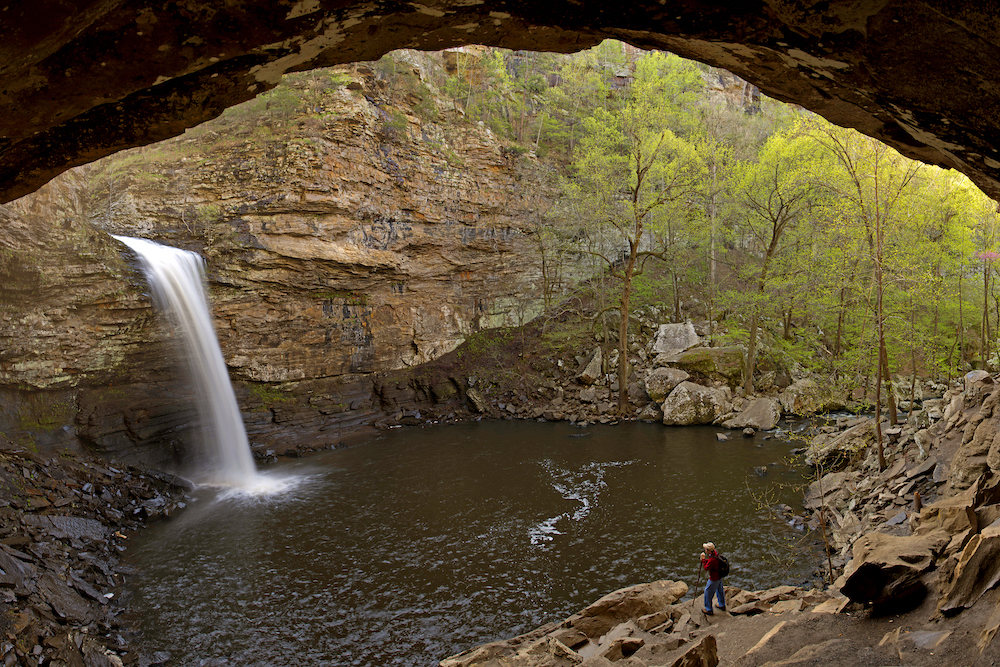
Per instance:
(82,83)
(365,239)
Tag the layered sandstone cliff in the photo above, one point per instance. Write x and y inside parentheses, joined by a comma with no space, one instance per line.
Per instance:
(352,226)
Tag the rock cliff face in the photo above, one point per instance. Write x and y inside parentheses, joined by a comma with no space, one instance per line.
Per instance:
(346,234)
(371,238)
(80,81)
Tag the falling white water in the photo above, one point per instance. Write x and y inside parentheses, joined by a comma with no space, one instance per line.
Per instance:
(176,278)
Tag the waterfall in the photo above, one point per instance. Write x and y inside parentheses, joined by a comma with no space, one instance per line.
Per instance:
(176,278)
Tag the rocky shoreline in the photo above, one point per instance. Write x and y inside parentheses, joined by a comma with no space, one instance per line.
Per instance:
(64,523)
(897,541)
(913,549)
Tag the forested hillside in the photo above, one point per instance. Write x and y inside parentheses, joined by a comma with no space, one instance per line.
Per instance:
(802,241)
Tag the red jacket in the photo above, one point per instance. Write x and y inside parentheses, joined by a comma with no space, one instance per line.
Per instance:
(712,565)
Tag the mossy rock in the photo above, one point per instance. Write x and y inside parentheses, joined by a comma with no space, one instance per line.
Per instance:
(724,364)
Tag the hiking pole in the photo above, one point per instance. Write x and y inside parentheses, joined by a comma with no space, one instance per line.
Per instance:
(697,587)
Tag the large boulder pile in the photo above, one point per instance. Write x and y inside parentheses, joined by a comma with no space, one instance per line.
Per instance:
(926,530)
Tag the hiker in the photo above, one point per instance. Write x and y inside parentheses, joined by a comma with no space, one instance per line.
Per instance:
(710,561)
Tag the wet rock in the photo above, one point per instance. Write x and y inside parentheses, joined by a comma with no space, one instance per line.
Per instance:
(66,602)
(68,527)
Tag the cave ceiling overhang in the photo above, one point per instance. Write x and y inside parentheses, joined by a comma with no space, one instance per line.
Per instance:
(82,80)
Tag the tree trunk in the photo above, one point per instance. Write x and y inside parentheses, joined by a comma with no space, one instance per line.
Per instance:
(677,299)
(961,325)
(985,326)
(890,392)
(713,277)
(840,322)
(623,330)
(751,354)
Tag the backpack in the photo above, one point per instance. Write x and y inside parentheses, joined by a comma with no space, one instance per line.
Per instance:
(723,565)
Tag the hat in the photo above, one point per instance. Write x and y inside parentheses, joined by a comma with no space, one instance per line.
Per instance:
(708,546)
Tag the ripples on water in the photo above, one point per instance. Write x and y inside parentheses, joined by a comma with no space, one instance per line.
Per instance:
(425,542)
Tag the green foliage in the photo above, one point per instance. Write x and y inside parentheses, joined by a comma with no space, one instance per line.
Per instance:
(269,395)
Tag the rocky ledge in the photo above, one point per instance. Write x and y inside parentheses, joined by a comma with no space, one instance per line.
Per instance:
(64,522)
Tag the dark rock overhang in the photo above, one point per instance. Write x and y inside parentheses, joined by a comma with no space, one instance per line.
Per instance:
(79,81)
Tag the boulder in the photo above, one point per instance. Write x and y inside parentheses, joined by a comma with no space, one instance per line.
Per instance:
(978,571)
(954,515)
(627,603)
(980,444)
(716,364)
(651,413)
(839,449)
(477,402)
(661,381)
(761,414)
(674,338)
(690,404)
(886,569)
(807,397)
(978,384)
(591,369)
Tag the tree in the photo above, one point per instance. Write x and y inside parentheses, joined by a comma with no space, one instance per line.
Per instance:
(874,179)
(634,173)
(776,192)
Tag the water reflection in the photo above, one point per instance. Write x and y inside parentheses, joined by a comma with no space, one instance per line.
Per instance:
(425,542)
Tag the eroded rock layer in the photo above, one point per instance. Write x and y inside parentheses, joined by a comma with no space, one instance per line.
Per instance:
(82,81)
(355,238)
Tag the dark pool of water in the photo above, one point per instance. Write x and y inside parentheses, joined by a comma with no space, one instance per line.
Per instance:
(425,542)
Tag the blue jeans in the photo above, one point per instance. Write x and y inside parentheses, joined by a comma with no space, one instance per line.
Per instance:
(714,588)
